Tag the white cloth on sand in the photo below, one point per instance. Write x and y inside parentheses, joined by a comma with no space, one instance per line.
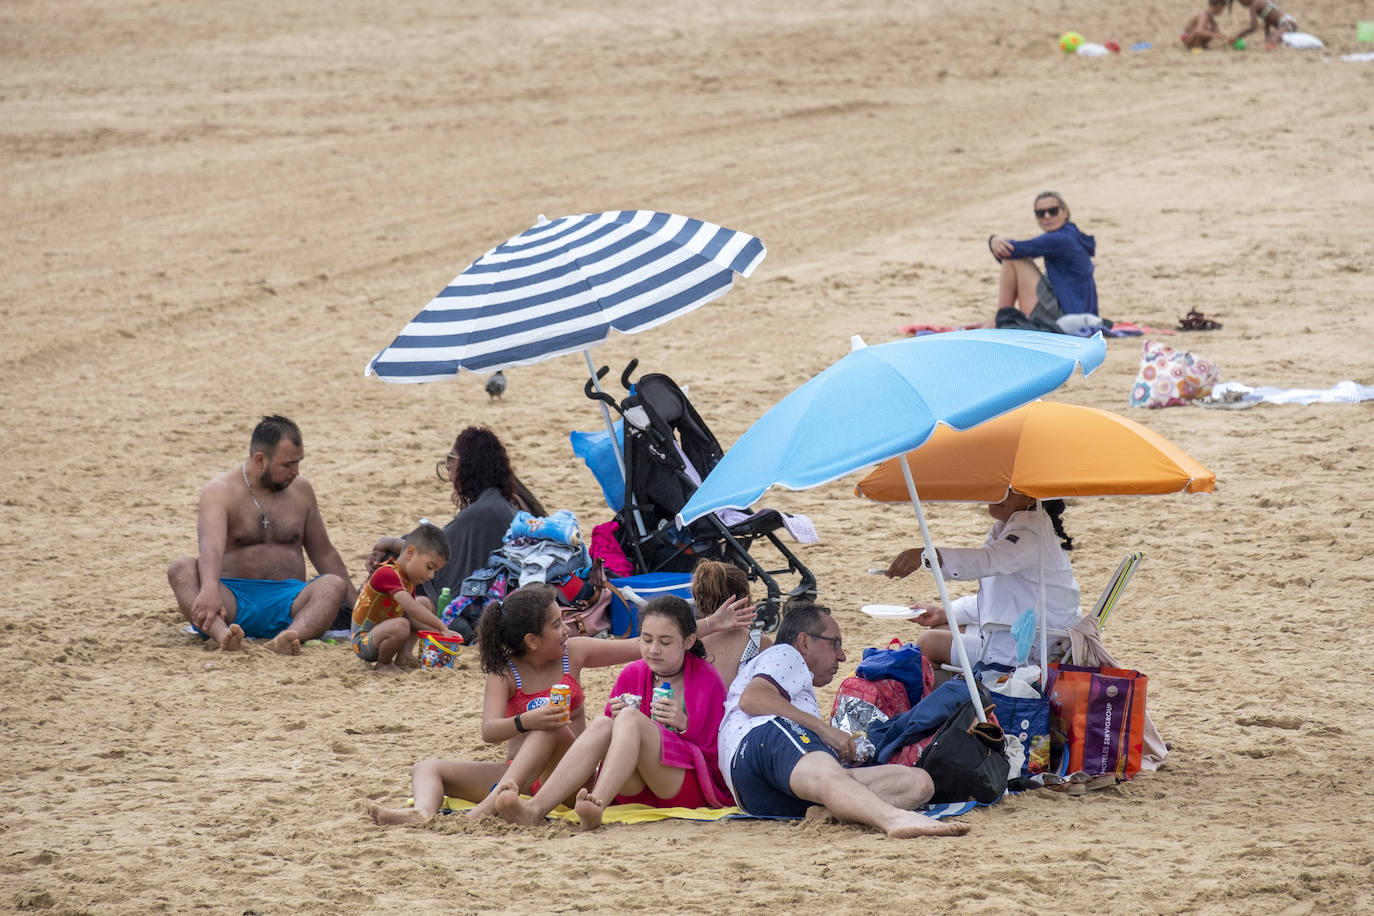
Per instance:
(1235,394)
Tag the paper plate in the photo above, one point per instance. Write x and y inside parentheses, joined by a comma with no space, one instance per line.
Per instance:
(889,611)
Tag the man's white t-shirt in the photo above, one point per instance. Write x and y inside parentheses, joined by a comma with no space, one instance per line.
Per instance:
(783,667)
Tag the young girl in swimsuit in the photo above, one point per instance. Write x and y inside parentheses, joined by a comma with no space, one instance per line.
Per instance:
(1275,20)
(1202,28)
(658,752)
(525,652)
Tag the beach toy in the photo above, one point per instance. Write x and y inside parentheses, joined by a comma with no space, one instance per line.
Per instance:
(1364,32)
(1141,46)
(438,651)
(1239,44)
(1112,46)
(1091,49)
(1069,42)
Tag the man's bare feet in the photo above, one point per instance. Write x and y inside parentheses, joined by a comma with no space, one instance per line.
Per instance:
(389,817)
(820,814)
(233,638)
(510,806)
(589,810)
(911,824)
(287,642)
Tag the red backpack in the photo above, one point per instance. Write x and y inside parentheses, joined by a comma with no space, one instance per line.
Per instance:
(858,701)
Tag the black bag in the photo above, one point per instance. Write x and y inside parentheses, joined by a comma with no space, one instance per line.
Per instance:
(965,759)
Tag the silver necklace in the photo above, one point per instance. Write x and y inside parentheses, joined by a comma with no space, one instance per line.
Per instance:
(266,522)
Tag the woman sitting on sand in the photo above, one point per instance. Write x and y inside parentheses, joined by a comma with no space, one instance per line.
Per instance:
(1067,287)
(724,588)
(487,495)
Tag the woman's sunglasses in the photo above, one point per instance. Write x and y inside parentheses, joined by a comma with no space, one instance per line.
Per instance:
(1047,212)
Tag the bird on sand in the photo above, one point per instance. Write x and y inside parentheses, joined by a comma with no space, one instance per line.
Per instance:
(496,385)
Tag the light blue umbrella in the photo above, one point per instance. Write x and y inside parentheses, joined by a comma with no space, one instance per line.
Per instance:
(562,286)
(882,401)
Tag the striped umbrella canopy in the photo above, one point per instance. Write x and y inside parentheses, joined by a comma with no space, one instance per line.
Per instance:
(562,285)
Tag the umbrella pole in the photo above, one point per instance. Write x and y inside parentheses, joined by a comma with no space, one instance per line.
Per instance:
(1041,619)
(606,415)
(931,561)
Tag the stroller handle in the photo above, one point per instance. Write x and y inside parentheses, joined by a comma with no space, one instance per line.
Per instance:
(629,370)
(595,395)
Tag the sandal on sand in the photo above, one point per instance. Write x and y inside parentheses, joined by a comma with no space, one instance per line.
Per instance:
(1104,781)
(1074,784)
(1196,321)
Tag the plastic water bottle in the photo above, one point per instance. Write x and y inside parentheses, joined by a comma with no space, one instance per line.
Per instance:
(445,596)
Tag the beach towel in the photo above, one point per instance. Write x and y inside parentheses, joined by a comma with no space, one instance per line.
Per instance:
(1237,395)
(643,814)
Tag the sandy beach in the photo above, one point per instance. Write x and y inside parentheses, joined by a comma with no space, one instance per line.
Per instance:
(213,212)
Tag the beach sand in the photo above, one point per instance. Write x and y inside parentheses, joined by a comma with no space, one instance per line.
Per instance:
(218,211)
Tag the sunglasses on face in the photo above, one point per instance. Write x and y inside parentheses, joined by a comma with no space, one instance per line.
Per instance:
(1047,212)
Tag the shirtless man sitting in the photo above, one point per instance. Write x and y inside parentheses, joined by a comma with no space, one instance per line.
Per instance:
(256,524)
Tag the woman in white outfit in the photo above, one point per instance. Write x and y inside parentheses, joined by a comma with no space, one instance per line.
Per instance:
(1007,568)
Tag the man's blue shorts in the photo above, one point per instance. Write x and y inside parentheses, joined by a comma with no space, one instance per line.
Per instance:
(761,769)
(264,605)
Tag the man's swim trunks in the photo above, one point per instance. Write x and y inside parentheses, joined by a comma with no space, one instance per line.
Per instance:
(264,605)
(762,767)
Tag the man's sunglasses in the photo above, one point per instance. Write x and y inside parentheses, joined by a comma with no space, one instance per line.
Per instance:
(1048,211)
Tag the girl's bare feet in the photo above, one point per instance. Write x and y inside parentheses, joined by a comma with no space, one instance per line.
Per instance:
(389,817)
(510,806)
(589,810)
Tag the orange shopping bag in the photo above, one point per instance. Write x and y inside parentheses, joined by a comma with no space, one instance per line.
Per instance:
(1099,714)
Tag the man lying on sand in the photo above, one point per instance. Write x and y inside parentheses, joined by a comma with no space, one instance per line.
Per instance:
(781,759)
(249,577)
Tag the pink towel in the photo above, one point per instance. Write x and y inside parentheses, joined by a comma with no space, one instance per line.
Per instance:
(606,547)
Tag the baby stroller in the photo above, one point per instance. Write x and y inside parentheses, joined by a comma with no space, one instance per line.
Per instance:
(668,451)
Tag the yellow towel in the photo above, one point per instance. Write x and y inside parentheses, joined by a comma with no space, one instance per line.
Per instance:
(618,814)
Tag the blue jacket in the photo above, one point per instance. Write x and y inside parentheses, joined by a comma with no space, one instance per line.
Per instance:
(1068,255)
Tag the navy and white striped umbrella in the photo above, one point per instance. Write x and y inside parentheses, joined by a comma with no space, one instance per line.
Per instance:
(562,285)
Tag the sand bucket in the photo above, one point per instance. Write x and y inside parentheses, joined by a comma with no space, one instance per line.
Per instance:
(438,651)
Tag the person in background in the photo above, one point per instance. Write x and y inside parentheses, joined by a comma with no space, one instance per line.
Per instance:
(1066,288)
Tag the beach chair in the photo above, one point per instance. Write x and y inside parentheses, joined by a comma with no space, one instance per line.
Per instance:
(668,451)
(1106,602)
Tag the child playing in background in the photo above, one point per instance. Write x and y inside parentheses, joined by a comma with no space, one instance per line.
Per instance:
(525,651)
(387,615)
(658,752)
(1275,20)
(1202,28)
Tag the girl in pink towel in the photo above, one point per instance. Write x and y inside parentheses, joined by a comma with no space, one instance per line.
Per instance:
(658,752)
